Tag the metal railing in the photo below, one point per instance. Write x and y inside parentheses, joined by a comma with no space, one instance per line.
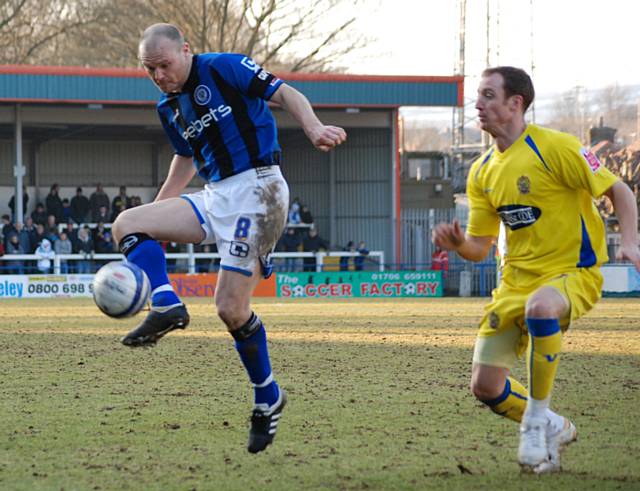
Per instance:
(318,265)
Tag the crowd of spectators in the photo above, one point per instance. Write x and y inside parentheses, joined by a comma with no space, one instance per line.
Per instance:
(301,235)
(79,225)
(82,225)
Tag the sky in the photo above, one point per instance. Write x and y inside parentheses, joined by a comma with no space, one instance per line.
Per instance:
(590,43)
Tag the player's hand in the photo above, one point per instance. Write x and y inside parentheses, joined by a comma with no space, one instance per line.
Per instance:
(327,137)
(449,236)
(629,252)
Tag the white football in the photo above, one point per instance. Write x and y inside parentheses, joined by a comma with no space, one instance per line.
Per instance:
(121,289)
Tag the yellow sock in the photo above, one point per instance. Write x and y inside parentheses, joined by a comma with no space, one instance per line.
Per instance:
(512,402)
(545,342)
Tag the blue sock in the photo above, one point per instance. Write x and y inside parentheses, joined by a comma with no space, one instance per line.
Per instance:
(255,358)
(149,256)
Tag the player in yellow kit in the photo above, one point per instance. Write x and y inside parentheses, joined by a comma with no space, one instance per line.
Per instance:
(540,184)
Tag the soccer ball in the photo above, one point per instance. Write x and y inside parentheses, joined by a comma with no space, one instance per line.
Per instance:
(121,289)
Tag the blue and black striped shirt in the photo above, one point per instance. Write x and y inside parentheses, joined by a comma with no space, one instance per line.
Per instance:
(220,118)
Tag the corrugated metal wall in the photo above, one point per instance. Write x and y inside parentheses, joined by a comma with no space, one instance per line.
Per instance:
(7,161)
(110,163)
(362,185)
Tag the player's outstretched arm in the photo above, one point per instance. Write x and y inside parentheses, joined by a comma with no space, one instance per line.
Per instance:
(322,136)
(626,210)
(450,236)
(180,174)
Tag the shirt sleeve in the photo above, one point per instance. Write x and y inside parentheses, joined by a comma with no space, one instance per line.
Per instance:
(483,218)
(579,168)
(247,76)
(179,144)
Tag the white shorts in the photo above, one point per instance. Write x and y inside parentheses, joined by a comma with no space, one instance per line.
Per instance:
(244,215)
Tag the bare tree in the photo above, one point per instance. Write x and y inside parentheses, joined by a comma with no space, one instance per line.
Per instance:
(30,30)
(576,111)
(285,35)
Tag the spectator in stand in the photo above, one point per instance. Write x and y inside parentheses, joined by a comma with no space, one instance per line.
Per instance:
(27,239)
(120,207)
(51,230)
(28,236)
(97,199)
(14,247)
(63,246)
(312,243)
(66,210)
(25,202)
(84,245)
(24,238)
(358,261)
(120,203)
(54,203)
(45,255)
(294,212)
(40,235)
(305,215)
(71,231)
(8,229)
(39,215)
(80,207)
(440,261)
(345,260)
(290,242)
(102,241)
(135,201)
(101,216)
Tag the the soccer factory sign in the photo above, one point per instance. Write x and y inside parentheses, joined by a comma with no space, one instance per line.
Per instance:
(360,284)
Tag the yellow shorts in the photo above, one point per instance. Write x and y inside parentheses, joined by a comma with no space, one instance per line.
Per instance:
(503,335)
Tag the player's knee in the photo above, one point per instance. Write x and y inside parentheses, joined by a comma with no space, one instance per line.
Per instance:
(484,390)
(230,312)
(540,308)
(123,226)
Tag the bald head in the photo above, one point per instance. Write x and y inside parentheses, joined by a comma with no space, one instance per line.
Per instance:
(166,56)
(154,34)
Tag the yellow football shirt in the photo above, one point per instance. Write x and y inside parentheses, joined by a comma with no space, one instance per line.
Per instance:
(542,189)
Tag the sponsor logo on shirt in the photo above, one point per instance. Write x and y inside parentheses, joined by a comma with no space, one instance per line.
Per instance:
(202,95)
(198,126)
(592,161)
(519,216)
(260,72)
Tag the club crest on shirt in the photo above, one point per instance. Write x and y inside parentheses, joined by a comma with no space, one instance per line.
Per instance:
(494,320)
(592,161)
(524,184)
(202,95)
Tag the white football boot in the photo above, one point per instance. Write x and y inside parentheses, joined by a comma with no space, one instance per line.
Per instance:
(533,442)
(557,441)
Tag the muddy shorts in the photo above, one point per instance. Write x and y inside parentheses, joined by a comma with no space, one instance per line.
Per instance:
(244,215)
(503,334)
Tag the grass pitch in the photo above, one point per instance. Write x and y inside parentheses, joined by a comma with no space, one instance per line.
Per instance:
(378,400)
